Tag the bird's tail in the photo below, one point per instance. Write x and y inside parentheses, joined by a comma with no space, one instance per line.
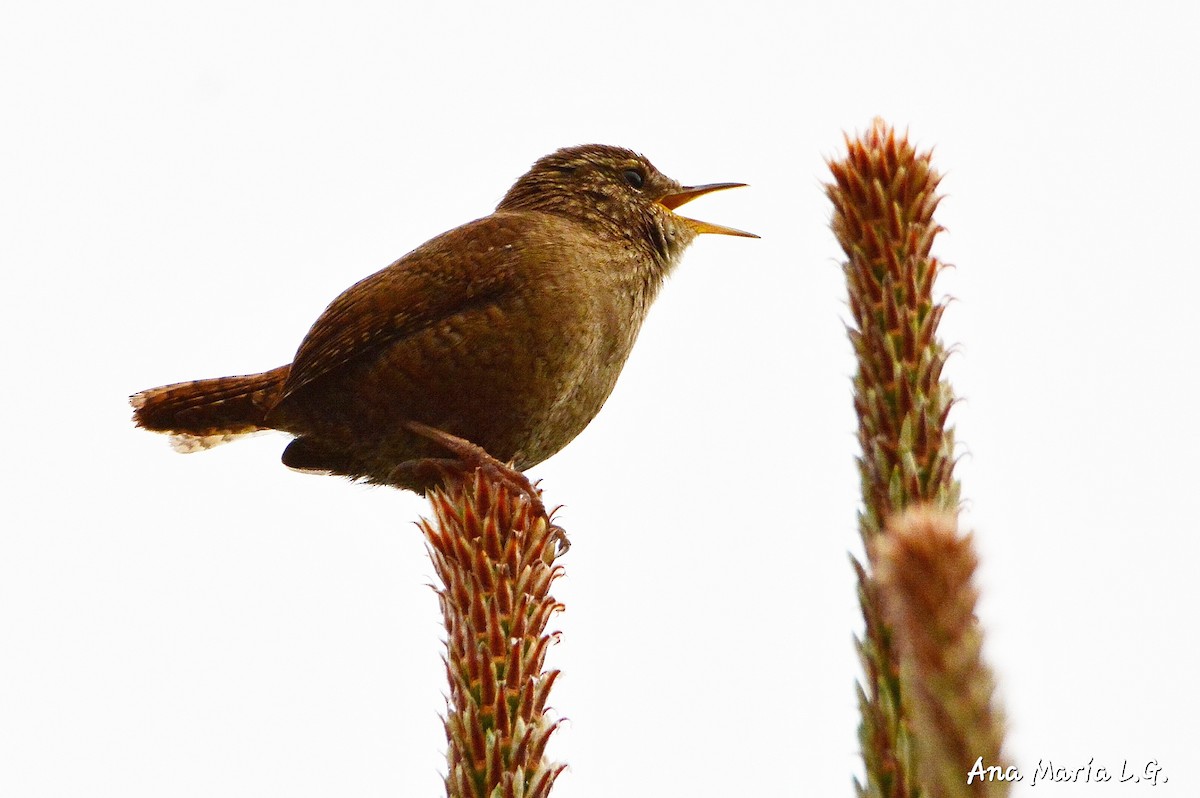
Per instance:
(203,413)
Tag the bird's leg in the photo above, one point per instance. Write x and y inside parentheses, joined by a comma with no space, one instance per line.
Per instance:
(469,457)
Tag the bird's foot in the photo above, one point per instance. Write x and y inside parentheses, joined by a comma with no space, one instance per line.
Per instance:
(469,457)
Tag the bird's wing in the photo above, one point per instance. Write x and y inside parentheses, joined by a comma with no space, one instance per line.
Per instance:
(469,267)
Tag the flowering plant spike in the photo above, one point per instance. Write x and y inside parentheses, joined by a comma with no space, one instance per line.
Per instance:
(884,194)
(926,574)
(495,559)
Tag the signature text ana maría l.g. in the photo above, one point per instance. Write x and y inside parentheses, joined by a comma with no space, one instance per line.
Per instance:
(1089,773)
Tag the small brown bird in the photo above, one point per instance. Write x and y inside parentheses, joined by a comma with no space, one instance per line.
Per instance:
(508,332)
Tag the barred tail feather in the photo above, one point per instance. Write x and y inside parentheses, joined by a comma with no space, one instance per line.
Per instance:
(204,413)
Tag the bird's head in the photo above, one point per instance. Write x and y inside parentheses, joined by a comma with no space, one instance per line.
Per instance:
(616,191)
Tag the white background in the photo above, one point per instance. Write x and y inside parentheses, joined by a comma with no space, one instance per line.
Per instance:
(183,187)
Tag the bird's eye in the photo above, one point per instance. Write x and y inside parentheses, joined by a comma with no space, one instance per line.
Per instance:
(634,178)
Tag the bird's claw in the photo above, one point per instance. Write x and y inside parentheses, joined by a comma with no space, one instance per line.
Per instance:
(469,457)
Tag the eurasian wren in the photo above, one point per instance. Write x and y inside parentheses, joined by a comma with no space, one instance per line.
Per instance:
(509,332)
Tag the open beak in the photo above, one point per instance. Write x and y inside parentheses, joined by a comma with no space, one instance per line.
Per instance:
(689,193)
